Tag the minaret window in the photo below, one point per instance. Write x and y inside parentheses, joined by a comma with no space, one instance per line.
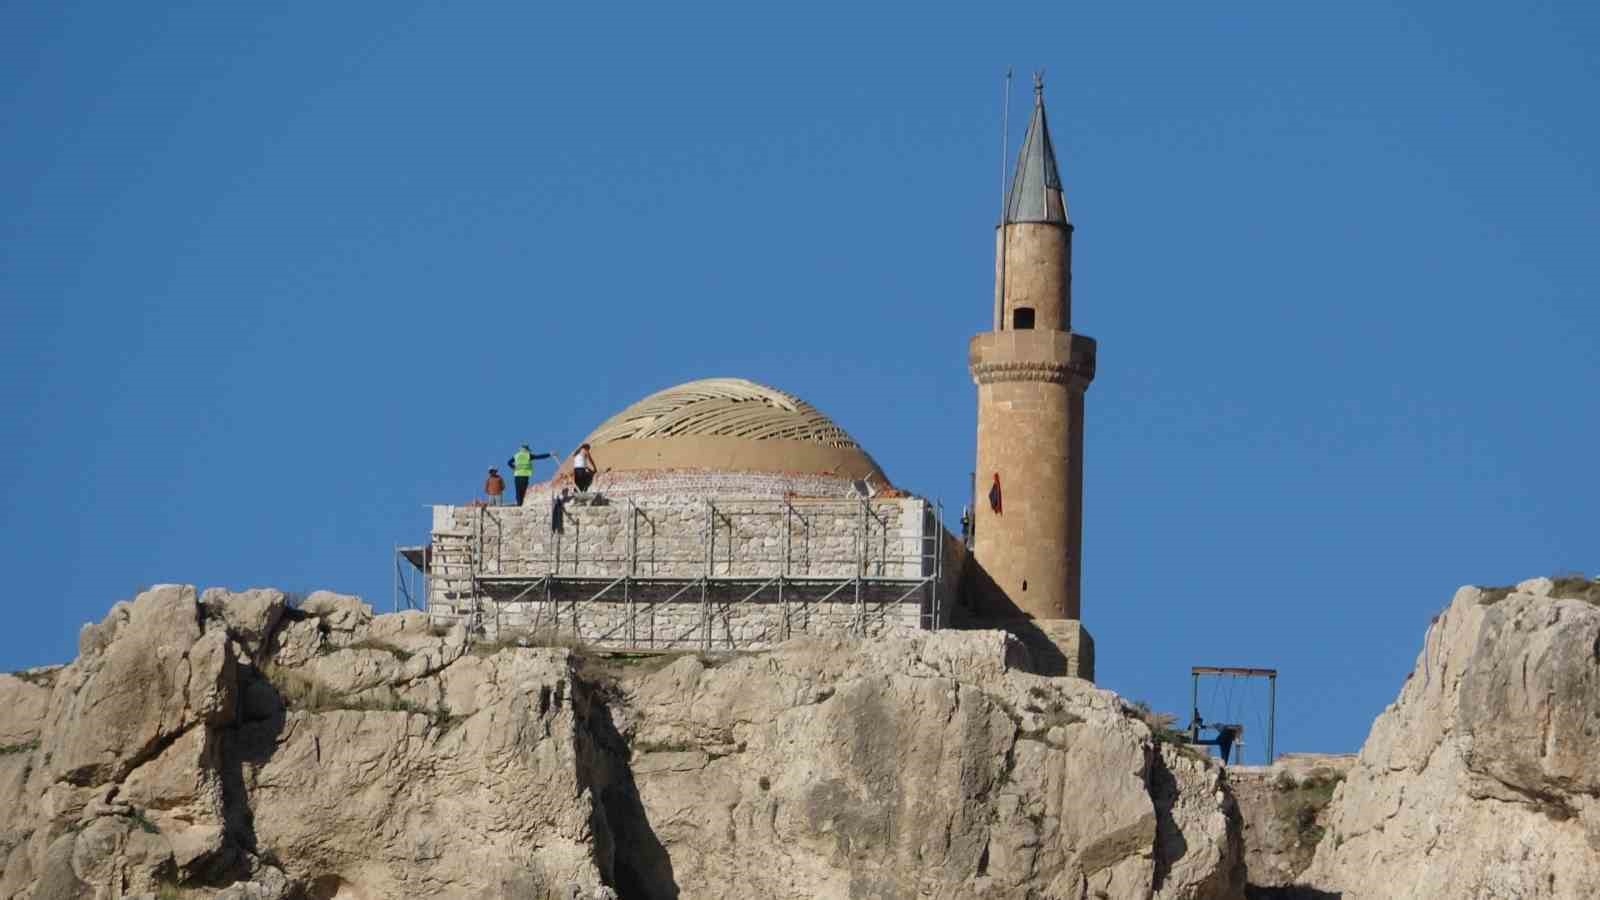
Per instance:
(1022,318)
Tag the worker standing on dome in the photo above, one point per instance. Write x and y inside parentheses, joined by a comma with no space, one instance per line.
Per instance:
(521,464)
(583,468)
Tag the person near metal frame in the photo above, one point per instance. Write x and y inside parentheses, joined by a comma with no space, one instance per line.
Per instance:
(521,464)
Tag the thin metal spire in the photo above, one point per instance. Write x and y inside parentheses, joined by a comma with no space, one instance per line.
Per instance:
(1005,150)
(1035,194)
(1005,139)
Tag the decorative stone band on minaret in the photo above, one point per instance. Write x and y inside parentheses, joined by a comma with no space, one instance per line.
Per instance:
(1071,359)
(1031,372)
(993,373)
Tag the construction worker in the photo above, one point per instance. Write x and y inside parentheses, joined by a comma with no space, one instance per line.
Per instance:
(495,487)
(583,468)
(521,464)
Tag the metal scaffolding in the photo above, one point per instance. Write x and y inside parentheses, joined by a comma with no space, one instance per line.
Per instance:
(1230,735)
(734,583)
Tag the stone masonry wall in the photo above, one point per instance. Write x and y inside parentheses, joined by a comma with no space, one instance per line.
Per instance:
(666,536)
(699,482)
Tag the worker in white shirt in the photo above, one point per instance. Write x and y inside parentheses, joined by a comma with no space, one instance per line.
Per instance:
(583,468)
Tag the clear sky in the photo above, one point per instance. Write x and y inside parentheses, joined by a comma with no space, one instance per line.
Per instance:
(274,277)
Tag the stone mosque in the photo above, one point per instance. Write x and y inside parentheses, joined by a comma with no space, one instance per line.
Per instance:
(728,515)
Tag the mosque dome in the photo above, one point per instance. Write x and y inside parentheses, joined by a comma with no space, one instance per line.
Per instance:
(728,425)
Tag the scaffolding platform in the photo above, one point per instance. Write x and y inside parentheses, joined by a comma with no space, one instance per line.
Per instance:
(680,574)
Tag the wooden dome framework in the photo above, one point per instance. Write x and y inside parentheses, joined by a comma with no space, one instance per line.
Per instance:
(723,407)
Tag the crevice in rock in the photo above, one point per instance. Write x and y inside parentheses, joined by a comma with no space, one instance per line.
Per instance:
(1169,845)
(1552,805)
(86,776)
(251,741)
(631,859)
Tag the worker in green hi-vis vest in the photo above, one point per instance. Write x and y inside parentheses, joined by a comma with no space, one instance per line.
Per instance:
(521,463)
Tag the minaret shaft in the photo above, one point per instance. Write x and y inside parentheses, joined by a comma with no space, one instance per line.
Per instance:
(1031,387)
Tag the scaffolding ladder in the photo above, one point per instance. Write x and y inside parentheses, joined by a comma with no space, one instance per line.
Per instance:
(452,573)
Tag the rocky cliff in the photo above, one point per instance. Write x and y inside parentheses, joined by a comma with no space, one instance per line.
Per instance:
(234,745)
(1285,807)
(1483,779)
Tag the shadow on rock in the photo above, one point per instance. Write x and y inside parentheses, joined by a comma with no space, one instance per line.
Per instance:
(1289,892)
(626,847)
(250,742)
(995,610)
(1170,844)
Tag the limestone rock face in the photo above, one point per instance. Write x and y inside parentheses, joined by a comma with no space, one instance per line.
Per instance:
(150,673)
(238,744)
(819,770)
(24,706)
(25,698)
(1483,778)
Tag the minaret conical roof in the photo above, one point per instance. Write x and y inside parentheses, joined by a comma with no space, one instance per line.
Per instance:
(1035,194)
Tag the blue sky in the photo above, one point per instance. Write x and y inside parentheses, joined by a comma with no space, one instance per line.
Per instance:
(276,277)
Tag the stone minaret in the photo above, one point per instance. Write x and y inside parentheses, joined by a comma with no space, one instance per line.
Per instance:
(1031,372)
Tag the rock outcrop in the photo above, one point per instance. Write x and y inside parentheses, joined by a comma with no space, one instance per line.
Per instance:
(920,769)
(1483,779)
(233,743)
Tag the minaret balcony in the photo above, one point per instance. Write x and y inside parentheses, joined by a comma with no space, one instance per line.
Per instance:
(1061,357)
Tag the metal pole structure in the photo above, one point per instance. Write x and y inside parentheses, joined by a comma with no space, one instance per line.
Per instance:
(1194,706)
(633,566)
(705,582)
(861,566)
(938,560)
(1005,150)
(861,539)
(883,552)
(705,614)
(1272,716)
(783,602)
(971,536)
(472,570)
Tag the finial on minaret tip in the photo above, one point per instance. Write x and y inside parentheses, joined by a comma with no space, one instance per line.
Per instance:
(1035,194)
